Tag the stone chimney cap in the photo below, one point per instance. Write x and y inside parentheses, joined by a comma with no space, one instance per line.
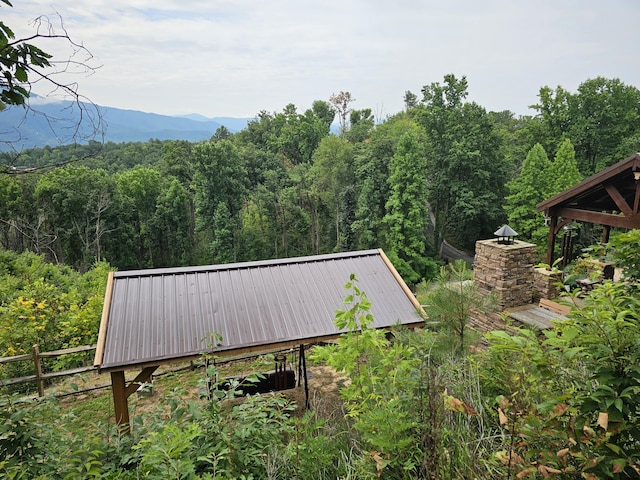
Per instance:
(505,231)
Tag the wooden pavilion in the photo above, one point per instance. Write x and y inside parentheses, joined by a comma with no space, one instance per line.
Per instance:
(610,198)
(161,316)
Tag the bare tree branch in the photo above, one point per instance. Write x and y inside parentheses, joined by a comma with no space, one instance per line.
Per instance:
(25,66)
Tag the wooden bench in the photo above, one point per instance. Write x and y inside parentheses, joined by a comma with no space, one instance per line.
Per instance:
(554,307)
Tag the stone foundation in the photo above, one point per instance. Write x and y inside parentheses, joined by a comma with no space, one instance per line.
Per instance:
(506,270)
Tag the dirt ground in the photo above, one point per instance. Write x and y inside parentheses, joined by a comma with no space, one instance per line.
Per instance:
(324,385)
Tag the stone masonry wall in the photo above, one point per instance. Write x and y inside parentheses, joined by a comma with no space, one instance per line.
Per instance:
(505,270)
(544,284)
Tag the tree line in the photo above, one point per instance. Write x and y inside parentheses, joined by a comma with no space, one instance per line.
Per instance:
(444,168)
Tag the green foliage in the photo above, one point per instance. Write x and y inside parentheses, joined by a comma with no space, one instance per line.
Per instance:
(376,369)
(77,200)
(583,419)
(453,299)
(18,59)
(18,440)
(167,452)
(407,217)
(222,250)
(526,190)
(563,172)
(330,175)
(599,118)
(49,306)
(372,162)
(397,399)
(466,170)
(625,250)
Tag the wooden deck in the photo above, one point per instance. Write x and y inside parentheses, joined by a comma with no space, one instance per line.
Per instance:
(535,316)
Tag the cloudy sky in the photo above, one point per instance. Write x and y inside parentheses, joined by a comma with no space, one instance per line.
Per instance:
(238,57)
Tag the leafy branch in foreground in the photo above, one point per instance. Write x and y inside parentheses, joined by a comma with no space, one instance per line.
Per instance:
(24,65)
(584,423)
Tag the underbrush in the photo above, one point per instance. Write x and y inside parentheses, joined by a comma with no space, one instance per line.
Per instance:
(557,404)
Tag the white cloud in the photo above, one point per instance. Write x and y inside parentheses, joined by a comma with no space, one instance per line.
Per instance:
(235,58)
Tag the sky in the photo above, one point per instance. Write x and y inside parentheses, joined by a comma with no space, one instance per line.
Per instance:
(235,58)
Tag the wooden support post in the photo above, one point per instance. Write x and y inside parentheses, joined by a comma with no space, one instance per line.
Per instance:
(36,361)
(551,240)
(606,231)
(121,393)
(120,402)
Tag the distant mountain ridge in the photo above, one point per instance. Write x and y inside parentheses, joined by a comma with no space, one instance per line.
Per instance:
(59,123)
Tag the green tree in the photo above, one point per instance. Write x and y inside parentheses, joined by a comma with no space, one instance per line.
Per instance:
(324,111)
(407,216)
(331,173)
(177,161)
(361,124)
(219,177)
(466,171)
(222,246)
(76,203)
(10,202)
(139,189)
(563,172)
(453,300)
(288,134)
(300,134)
(410,100)
(600,116)
(347,237)
(372,160)
(172,226)
(526,190)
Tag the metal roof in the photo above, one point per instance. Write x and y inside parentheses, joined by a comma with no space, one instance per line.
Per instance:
(162,315)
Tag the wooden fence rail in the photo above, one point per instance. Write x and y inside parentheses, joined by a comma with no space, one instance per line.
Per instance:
(40,377)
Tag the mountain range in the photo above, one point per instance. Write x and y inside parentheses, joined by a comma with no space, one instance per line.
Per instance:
(64,122)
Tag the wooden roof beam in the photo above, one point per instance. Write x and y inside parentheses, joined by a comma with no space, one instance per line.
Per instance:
(619,200)
(601,218)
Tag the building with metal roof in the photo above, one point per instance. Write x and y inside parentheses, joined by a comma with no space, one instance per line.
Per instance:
(159,316)
(610,198)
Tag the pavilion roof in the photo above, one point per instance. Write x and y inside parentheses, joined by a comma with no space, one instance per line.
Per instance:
(157,316)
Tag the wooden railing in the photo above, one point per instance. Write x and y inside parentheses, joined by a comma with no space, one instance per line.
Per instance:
(36,357)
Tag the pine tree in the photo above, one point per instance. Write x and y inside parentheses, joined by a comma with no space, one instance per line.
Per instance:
(525,191)
(564,171)
(407,218)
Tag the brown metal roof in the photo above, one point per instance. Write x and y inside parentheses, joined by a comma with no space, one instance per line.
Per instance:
(162,315)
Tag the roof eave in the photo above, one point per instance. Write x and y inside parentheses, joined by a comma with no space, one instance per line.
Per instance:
(630,163)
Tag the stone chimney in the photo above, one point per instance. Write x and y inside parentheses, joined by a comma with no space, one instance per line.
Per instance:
(506,269)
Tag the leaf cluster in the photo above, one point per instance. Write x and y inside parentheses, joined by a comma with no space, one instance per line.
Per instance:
(18,59)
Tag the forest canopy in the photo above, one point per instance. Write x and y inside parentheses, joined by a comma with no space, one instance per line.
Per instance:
(443,169)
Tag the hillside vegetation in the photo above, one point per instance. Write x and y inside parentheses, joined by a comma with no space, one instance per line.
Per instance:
(563,404)
(429,403)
